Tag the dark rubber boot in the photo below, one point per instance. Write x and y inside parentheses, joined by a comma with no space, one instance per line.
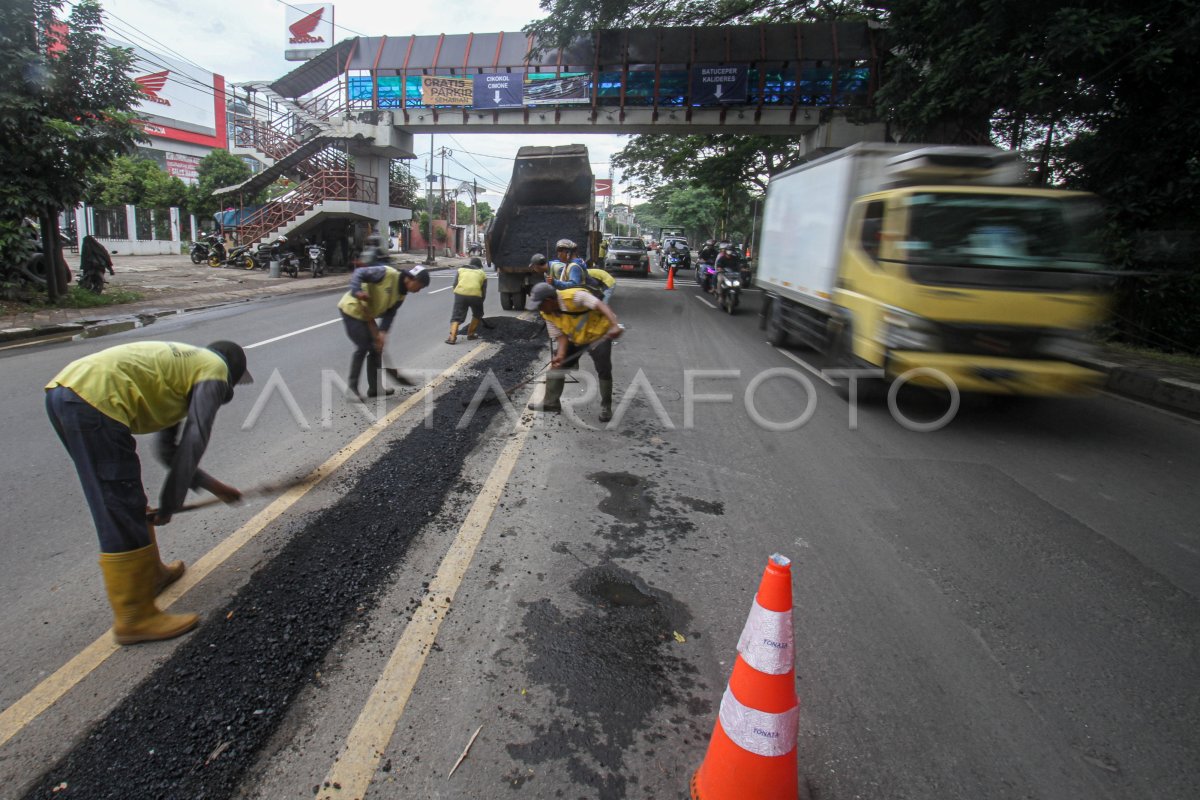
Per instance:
(606,387)
(356,364)
(554,390)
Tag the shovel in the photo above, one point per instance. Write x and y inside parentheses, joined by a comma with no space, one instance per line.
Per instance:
(571,359)
(263,490)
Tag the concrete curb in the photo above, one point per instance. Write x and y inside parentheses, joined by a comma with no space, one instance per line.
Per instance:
(1170,393)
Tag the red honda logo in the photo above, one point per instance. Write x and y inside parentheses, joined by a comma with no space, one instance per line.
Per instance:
(302,30)
(152,84)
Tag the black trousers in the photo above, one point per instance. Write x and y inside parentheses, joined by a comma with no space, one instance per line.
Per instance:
(106,459)
(601,358)
(462,303)
(364,348)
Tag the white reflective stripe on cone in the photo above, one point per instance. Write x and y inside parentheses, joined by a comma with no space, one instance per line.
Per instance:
(766,642)
(759,732)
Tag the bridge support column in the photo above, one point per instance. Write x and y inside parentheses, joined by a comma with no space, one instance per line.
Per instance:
(379,168)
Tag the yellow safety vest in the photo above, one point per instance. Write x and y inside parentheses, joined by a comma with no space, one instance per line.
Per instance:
(144,385)
(470,282)
(380,297)
(581,326)
(604,276)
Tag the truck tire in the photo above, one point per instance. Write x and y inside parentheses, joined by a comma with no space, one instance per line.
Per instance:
(841,355)
(518,300)
(776,333)
(506,301)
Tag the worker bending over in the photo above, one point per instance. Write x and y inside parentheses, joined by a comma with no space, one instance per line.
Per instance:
(368,309)
(96,404)
(576,320)
(470,290)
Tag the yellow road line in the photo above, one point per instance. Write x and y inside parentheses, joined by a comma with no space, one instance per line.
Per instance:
(14,718)
(359,759)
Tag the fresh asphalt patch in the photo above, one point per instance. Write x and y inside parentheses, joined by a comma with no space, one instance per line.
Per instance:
(195,725)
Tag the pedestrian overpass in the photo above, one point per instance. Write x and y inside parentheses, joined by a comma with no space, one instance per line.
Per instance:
(335,123)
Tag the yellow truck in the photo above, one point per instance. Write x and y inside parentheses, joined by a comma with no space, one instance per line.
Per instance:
(934,263)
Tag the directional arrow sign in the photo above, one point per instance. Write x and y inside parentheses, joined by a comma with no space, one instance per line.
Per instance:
(717,86)
(498,91)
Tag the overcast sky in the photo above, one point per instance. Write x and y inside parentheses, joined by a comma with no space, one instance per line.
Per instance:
(244,40)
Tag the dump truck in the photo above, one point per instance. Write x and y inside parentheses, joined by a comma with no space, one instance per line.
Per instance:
(550,197)
(934,265)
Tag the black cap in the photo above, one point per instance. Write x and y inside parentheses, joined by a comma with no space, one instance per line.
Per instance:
(235,359)
(476,262)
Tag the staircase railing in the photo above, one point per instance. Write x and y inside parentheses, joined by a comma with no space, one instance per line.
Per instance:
(325,185)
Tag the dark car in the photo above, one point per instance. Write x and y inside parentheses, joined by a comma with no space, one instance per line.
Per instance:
(627,254)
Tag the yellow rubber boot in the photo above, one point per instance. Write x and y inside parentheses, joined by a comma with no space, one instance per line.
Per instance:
(474,326)
(167,573)
(131,580)
(453,337)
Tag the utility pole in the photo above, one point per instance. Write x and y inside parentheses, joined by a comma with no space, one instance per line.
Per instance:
(430,258)
(443,152)
(474,212)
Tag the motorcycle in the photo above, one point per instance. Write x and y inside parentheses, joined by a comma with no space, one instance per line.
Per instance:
(316,259)
(727,288)
(705,276)
(240,256)
(674,261)
(202,249)
(289,264)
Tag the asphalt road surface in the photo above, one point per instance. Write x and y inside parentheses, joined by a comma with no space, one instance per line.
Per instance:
(1002,607)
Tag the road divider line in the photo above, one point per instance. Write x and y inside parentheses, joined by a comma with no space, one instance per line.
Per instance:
(358,761)
(807,366)
(293,333)
(702,300)
(14,718)
(444,288)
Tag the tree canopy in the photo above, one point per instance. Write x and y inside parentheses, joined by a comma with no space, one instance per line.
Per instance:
(1097,96)
(66,110)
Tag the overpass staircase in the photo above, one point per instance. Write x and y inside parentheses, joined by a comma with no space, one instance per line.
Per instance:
(308,141)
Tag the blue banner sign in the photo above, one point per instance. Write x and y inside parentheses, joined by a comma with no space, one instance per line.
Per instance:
(718,86)
(499,91)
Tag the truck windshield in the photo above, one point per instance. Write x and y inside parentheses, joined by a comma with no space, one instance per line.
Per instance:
(1005,231)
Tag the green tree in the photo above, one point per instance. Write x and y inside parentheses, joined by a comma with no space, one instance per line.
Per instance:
(65,112)
(137,181)
(404,185)
(218,169)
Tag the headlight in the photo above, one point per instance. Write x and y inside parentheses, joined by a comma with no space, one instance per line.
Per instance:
(735,284)
(905,331)
(1068,348)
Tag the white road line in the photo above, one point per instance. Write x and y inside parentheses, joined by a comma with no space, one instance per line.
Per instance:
(444,288)
(702,300)
(807,366)
(293,333)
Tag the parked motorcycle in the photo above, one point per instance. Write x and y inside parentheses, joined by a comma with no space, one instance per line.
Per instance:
(217,254)
(727,288)
(202,249)
(316,259)
(240,256)
(289,264)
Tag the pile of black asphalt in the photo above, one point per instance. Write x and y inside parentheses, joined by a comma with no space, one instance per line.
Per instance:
(195,725)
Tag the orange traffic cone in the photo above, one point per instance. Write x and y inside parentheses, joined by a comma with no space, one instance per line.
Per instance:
(752,755)
(670,277)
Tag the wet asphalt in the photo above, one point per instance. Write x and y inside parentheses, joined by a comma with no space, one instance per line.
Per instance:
(194,726)
(1007,608)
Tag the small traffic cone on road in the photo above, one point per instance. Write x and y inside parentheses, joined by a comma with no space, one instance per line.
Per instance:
(670,277)
(752,754)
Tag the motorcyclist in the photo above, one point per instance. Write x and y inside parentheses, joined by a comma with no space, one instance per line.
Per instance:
(727,259)
(708,251)
(684,252)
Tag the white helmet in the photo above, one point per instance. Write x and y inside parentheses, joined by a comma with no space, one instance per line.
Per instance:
(565,244)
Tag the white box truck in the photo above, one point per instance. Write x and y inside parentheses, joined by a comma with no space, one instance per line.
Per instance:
(934,263)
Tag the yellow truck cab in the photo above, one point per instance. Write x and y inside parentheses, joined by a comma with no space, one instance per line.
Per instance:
(934,264)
